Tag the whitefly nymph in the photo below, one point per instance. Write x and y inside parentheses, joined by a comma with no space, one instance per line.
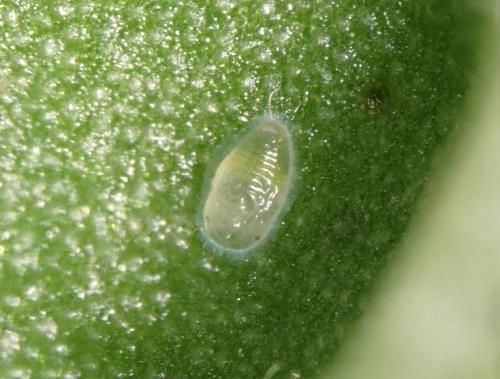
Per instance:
(248,191)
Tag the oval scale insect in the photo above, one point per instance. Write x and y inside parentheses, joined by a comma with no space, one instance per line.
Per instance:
(249,189)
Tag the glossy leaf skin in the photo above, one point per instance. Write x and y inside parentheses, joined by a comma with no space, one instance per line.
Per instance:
(111,112)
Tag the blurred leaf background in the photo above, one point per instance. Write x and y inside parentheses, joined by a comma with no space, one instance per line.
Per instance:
(437,314)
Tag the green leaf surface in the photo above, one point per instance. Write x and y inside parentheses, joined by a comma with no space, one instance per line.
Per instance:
(111,113)
(436,316)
